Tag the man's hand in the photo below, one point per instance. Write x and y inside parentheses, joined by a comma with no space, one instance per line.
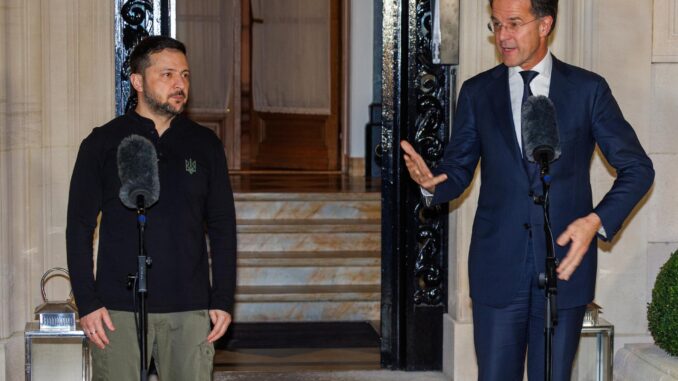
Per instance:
(94,328)
(419,171)
(221,320)
(580,233)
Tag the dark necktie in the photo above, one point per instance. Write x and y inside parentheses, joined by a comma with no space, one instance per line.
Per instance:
(528,76)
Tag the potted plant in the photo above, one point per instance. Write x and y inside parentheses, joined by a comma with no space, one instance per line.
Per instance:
(662,312)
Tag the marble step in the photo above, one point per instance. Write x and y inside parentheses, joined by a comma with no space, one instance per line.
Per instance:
(320,293)
(308,303)
(309,226)
(309,259)
(307,311)
(309,268)
(307,206)
(356,239)
(308,276)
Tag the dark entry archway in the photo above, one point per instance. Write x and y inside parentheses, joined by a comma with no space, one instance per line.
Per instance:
(417,101)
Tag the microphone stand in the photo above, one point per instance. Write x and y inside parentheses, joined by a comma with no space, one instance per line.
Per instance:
(548,280)
(143,262)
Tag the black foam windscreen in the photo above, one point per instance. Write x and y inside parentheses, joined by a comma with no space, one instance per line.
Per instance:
(138,172)
(540,130)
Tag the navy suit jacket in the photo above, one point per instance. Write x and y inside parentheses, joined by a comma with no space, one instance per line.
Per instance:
(587,114)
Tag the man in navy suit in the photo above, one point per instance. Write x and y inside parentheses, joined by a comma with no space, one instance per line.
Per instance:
(508,240)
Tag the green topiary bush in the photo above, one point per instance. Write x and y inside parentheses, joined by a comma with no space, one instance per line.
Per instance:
(662,312)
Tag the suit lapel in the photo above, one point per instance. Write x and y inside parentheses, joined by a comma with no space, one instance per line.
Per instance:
(560,91)
(501,102)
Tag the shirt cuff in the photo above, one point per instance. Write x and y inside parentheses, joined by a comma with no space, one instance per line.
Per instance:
(427,196)
(602,233)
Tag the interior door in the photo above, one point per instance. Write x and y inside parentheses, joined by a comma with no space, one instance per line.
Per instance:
(291,92)
(211,31)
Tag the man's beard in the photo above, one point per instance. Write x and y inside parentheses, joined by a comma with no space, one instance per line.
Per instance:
(163,108)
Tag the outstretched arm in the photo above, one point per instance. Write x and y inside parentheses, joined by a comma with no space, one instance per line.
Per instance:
(419,171)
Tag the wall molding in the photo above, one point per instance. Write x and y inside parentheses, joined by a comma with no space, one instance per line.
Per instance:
(665,31)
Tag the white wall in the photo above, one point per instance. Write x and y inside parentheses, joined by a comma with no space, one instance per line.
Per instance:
(663,139)
(360,73)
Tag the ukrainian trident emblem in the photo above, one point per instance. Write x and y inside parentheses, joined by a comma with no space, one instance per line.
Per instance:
(191,166)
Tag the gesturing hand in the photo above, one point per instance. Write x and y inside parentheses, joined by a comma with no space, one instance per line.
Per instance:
(419,171)
(93,326)
(221,320)
(579,233)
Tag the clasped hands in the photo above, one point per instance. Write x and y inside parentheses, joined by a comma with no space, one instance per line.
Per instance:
(578,234)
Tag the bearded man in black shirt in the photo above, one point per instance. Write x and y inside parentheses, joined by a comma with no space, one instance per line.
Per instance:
(195,196)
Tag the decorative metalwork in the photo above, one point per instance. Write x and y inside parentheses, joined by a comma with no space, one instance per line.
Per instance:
(135,20)
(432,94)
(416,98)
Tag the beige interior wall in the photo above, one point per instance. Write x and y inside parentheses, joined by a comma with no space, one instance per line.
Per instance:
(57,68)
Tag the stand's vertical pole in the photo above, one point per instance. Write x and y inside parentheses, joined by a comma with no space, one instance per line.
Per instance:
(142,290)
(548,280)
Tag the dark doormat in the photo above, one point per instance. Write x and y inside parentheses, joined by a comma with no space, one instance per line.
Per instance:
(346,334)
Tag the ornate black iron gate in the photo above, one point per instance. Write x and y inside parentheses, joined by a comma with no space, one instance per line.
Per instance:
(417,97)
(134,20)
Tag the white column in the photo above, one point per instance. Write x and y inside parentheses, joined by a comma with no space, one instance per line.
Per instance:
(4,266)
(58,72)
(622,35)
(21,134)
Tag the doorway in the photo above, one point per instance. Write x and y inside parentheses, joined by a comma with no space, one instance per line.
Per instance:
(267,78)
(290,75)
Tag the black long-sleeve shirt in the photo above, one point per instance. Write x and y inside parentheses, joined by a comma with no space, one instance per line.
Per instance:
(195,195)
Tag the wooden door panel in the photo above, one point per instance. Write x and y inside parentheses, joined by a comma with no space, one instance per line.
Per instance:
(296,142)
(285,141)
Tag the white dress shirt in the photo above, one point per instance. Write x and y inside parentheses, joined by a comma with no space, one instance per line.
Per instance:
(540,86)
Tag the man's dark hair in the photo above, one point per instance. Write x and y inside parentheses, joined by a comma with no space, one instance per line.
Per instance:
(140,58)
(543,8)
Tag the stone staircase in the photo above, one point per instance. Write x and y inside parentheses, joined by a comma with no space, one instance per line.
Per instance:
(308,257)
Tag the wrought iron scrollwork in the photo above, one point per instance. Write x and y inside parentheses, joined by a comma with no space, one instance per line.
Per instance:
(432,94)
(134,20)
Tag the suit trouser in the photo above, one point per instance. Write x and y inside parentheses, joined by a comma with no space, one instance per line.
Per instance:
(176,340)
(503,335)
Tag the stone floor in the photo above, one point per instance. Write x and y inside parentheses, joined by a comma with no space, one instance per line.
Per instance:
(377,375)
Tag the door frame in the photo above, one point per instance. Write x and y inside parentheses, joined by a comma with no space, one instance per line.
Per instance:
(416,105)
(234,124)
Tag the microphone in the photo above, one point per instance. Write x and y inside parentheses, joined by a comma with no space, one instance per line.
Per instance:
(138,172)
(541,142)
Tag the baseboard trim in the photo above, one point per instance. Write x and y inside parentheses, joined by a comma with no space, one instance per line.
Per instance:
(356,166)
